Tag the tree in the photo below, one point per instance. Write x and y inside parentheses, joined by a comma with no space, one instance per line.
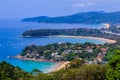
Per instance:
(76,63)
(36,71)
(9,72)
(91,72)
(113,72)
(70,56)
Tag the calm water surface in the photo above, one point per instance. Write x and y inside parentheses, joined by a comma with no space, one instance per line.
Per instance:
(12,44)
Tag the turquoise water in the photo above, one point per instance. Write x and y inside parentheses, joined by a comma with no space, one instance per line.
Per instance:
(12,44)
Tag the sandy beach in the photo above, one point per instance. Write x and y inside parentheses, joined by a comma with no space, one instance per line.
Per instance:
(59,66)
(96,38)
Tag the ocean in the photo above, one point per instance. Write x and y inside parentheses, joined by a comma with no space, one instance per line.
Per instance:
(12,44)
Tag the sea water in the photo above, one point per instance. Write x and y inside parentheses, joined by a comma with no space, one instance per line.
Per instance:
(12,44)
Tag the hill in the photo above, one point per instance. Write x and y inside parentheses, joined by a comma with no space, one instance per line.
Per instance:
(83,17)
(70,32)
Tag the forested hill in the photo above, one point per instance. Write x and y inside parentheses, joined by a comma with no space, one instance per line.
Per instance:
(83,17)
(69,32)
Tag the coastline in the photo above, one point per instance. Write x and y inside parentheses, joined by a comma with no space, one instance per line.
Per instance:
(56,67)
(96,38)
(59,66)
(30,59)
(62,64)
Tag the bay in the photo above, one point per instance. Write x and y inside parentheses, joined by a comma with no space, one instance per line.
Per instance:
(12,44)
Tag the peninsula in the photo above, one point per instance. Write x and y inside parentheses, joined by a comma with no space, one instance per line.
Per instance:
(74,33)
(58,52)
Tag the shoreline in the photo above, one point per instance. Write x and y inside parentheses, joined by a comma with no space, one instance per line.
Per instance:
(62,64)
(29,59)
(69,36)
(96,38)
(59,66)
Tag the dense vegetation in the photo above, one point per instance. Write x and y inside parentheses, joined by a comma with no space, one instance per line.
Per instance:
(69,51)
(84,72)
(112,47)
(109,71)
(71,32)
(64,51)
(51,32)
(75,70)
(113,72)
(115,29)
(9,72)
(84,17)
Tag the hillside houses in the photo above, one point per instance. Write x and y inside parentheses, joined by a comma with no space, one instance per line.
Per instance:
(66,52)
(100,56)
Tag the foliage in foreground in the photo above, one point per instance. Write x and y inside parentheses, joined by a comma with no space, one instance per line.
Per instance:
(79,71)
(113,72)
(73,71)
(9,72)
(76,71)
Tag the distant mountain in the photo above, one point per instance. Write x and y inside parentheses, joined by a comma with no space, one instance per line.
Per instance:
(83,17)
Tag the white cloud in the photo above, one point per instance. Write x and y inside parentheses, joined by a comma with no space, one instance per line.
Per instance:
(90,3)
(79,5)
(83,4)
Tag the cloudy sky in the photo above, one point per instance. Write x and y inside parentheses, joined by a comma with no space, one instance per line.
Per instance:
(30,8)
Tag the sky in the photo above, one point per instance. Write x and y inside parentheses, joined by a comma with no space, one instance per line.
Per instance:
(31,8)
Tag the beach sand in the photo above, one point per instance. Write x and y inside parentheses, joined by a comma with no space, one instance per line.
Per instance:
(96,38)
(59,66)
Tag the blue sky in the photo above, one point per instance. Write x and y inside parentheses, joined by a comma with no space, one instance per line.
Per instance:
(30,8)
